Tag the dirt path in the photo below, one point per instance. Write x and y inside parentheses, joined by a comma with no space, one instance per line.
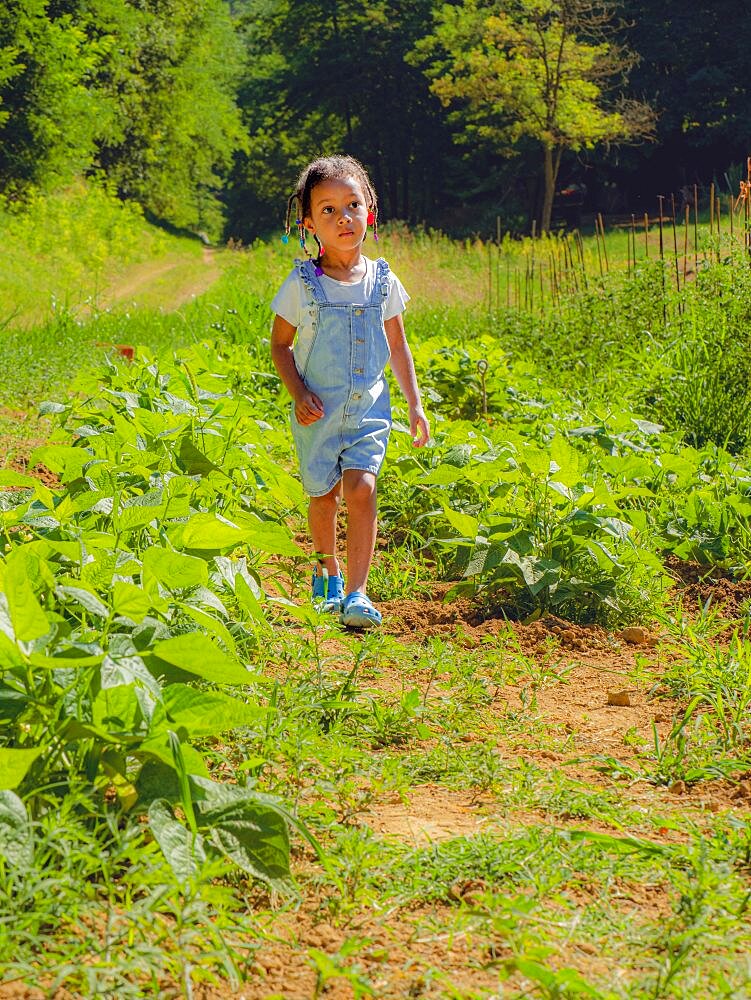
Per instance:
(166,283)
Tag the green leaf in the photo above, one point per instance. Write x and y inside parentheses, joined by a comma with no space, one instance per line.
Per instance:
(88,600)
(211,624)
(248,599)
(159,748)
(184,852)
(201,713)
(136,516)
(16,834)
(14,764)
(126,667)
(27,617)
(117,709)
(65,461)
(157,780)
(198,655)
(174,569)
(211,532)
(10,478)
(12,703)
(253,835)
(193,461)
(131,601)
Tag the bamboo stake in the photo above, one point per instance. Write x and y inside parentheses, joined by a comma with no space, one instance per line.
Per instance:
(675,246)
(580,248)
(696,228)
(490,282)
(604,247)
(599,254)
(497,264)
(661,199)
(730,213)
(685,243)
(646,235)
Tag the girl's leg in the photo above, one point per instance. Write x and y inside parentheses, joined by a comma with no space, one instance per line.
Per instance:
(362,522)
(322,513)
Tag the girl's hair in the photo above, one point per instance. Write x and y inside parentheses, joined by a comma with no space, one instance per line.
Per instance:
(328,168)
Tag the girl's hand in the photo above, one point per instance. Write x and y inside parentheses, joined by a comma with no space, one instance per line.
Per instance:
(419,427)
(308,408)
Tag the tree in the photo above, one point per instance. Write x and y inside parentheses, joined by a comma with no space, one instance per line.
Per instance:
(695,69)
(542,70)
(326,76)
(177,126)
(49,116)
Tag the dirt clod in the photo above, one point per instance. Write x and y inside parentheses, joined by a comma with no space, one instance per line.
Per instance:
(678,788)
(634,635)
(620,698)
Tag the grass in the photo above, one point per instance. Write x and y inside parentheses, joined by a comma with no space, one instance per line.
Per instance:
(487,823)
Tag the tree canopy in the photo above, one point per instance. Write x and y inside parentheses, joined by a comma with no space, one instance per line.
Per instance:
(203,111)
(535,69)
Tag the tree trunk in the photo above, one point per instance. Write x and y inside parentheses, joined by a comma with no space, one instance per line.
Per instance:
(549,193)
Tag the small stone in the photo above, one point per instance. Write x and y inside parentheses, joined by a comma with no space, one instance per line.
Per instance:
(620,698)
(678,788)
(635,635)
(468,891)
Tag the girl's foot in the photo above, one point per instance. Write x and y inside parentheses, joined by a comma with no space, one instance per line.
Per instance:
(358,611)
(329,590)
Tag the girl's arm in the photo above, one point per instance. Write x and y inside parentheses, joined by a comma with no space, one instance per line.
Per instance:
(403,368)
(308,407)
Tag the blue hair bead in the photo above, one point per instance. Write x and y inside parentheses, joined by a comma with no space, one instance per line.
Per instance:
(319,270)
(285,238)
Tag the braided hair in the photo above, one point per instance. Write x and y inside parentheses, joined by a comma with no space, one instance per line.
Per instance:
(327,168)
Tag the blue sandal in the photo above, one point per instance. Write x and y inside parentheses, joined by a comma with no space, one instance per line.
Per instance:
(329,590)
(358,611)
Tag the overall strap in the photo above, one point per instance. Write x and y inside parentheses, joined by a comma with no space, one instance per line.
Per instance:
(382,283)
(306,270)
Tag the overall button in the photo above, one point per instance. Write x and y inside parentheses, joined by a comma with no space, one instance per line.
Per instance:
(359,340)
(356,395)
(358,371)
(358,312)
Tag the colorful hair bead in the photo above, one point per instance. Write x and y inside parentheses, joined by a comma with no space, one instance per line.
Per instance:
(371,218)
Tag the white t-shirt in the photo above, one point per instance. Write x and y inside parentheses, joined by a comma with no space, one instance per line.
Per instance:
(291,301)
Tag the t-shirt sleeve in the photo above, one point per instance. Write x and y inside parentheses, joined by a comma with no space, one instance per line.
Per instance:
(287,302)
(398,298)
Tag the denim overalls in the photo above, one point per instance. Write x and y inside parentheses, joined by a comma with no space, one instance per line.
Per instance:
(343,364)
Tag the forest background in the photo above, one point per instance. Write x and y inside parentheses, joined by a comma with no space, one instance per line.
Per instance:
(203,111)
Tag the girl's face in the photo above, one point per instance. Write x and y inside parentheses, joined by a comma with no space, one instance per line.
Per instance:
(338,214)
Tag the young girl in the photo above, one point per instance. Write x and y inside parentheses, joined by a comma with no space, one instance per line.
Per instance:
(338,322)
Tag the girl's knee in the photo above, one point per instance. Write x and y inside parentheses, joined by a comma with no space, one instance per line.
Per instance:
(359,487)
(329,501)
